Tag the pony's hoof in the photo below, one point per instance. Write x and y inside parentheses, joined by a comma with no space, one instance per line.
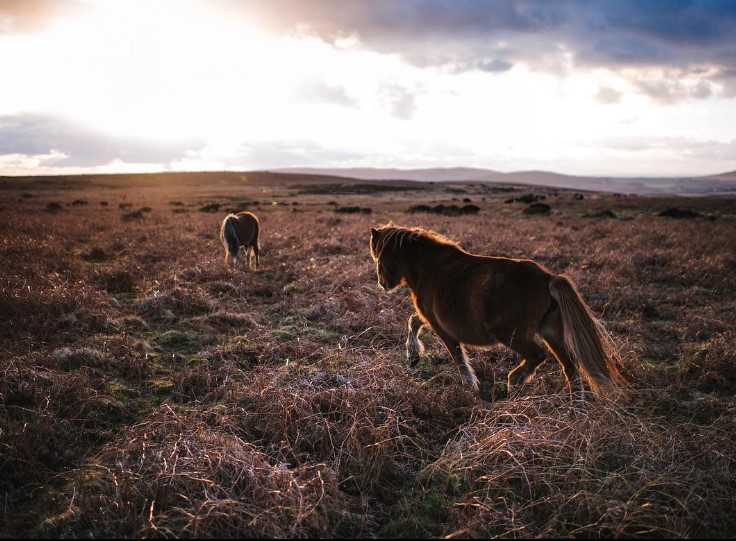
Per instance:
(516,378)
(471,384)
(514,389)
(576,410)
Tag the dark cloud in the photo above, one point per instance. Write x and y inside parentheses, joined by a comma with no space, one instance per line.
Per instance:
(493,35)
(415,19)
(494,65)
(26,16)
(38,135)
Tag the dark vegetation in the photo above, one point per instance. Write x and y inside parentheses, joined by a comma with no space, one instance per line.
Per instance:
(538,208)
(353,210)
(147,391)
(358,188)
(212,207)
(675,212)
(447,210)
(529,198)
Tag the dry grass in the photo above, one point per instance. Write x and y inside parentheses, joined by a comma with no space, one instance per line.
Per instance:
(527,471)
(147,391)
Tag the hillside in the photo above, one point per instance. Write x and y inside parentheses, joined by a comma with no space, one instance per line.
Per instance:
(707,185)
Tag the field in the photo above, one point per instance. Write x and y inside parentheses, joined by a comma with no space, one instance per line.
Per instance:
(148,391)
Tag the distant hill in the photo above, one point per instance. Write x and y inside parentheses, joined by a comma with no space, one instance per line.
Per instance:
(730,176)
(724,183)
(721,184)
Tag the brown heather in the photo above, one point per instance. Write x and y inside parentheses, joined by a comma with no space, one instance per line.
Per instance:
(148,391)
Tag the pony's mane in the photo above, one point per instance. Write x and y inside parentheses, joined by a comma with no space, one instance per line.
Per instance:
(395,236)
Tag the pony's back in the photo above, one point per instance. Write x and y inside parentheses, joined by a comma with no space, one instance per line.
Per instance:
(241,229)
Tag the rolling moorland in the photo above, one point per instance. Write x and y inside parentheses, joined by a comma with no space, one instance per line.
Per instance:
(148,391)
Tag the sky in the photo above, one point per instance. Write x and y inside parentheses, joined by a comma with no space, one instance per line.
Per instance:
(606,88)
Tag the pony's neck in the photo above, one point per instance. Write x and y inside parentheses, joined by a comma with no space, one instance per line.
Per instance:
(421,255)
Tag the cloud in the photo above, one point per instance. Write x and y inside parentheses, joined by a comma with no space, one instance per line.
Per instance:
(263,154)
(672,90)
(64,143)
(267,153)
(28,16)
(711,150)
(494,35)
(400,101)
(494,65)
(608,95)
(317,91)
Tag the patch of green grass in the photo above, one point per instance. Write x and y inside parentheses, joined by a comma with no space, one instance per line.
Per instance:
(133,324)
(175,341)
(419,516)
(291,327)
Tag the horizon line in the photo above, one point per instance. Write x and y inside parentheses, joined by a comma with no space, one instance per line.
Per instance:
(329,170)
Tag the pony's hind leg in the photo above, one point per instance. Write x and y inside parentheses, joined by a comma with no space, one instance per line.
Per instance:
(532,356)
(414,346)
(255,252)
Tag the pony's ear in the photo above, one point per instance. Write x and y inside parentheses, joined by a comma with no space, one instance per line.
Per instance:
(375,233)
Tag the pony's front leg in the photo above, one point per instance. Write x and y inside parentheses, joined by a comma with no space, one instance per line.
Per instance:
(461,358)
(414,346)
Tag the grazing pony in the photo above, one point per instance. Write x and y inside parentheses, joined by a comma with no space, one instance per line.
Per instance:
(238,230)
(473,300)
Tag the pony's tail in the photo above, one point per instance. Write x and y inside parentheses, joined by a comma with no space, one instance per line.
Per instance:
(230,237)
(586,340)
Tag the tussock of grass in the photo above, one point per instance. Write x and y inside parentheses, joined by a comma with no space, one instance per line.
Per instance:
(711,365)
(95,254)
(228,321)
(170,305)
(607,472)
(69,359)
(44,312)
(187,474)
(45,413)
(118,281)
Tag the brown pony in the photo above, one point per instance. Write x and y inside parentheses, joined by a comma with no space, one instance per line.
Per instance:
(238,230)
(473,300)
